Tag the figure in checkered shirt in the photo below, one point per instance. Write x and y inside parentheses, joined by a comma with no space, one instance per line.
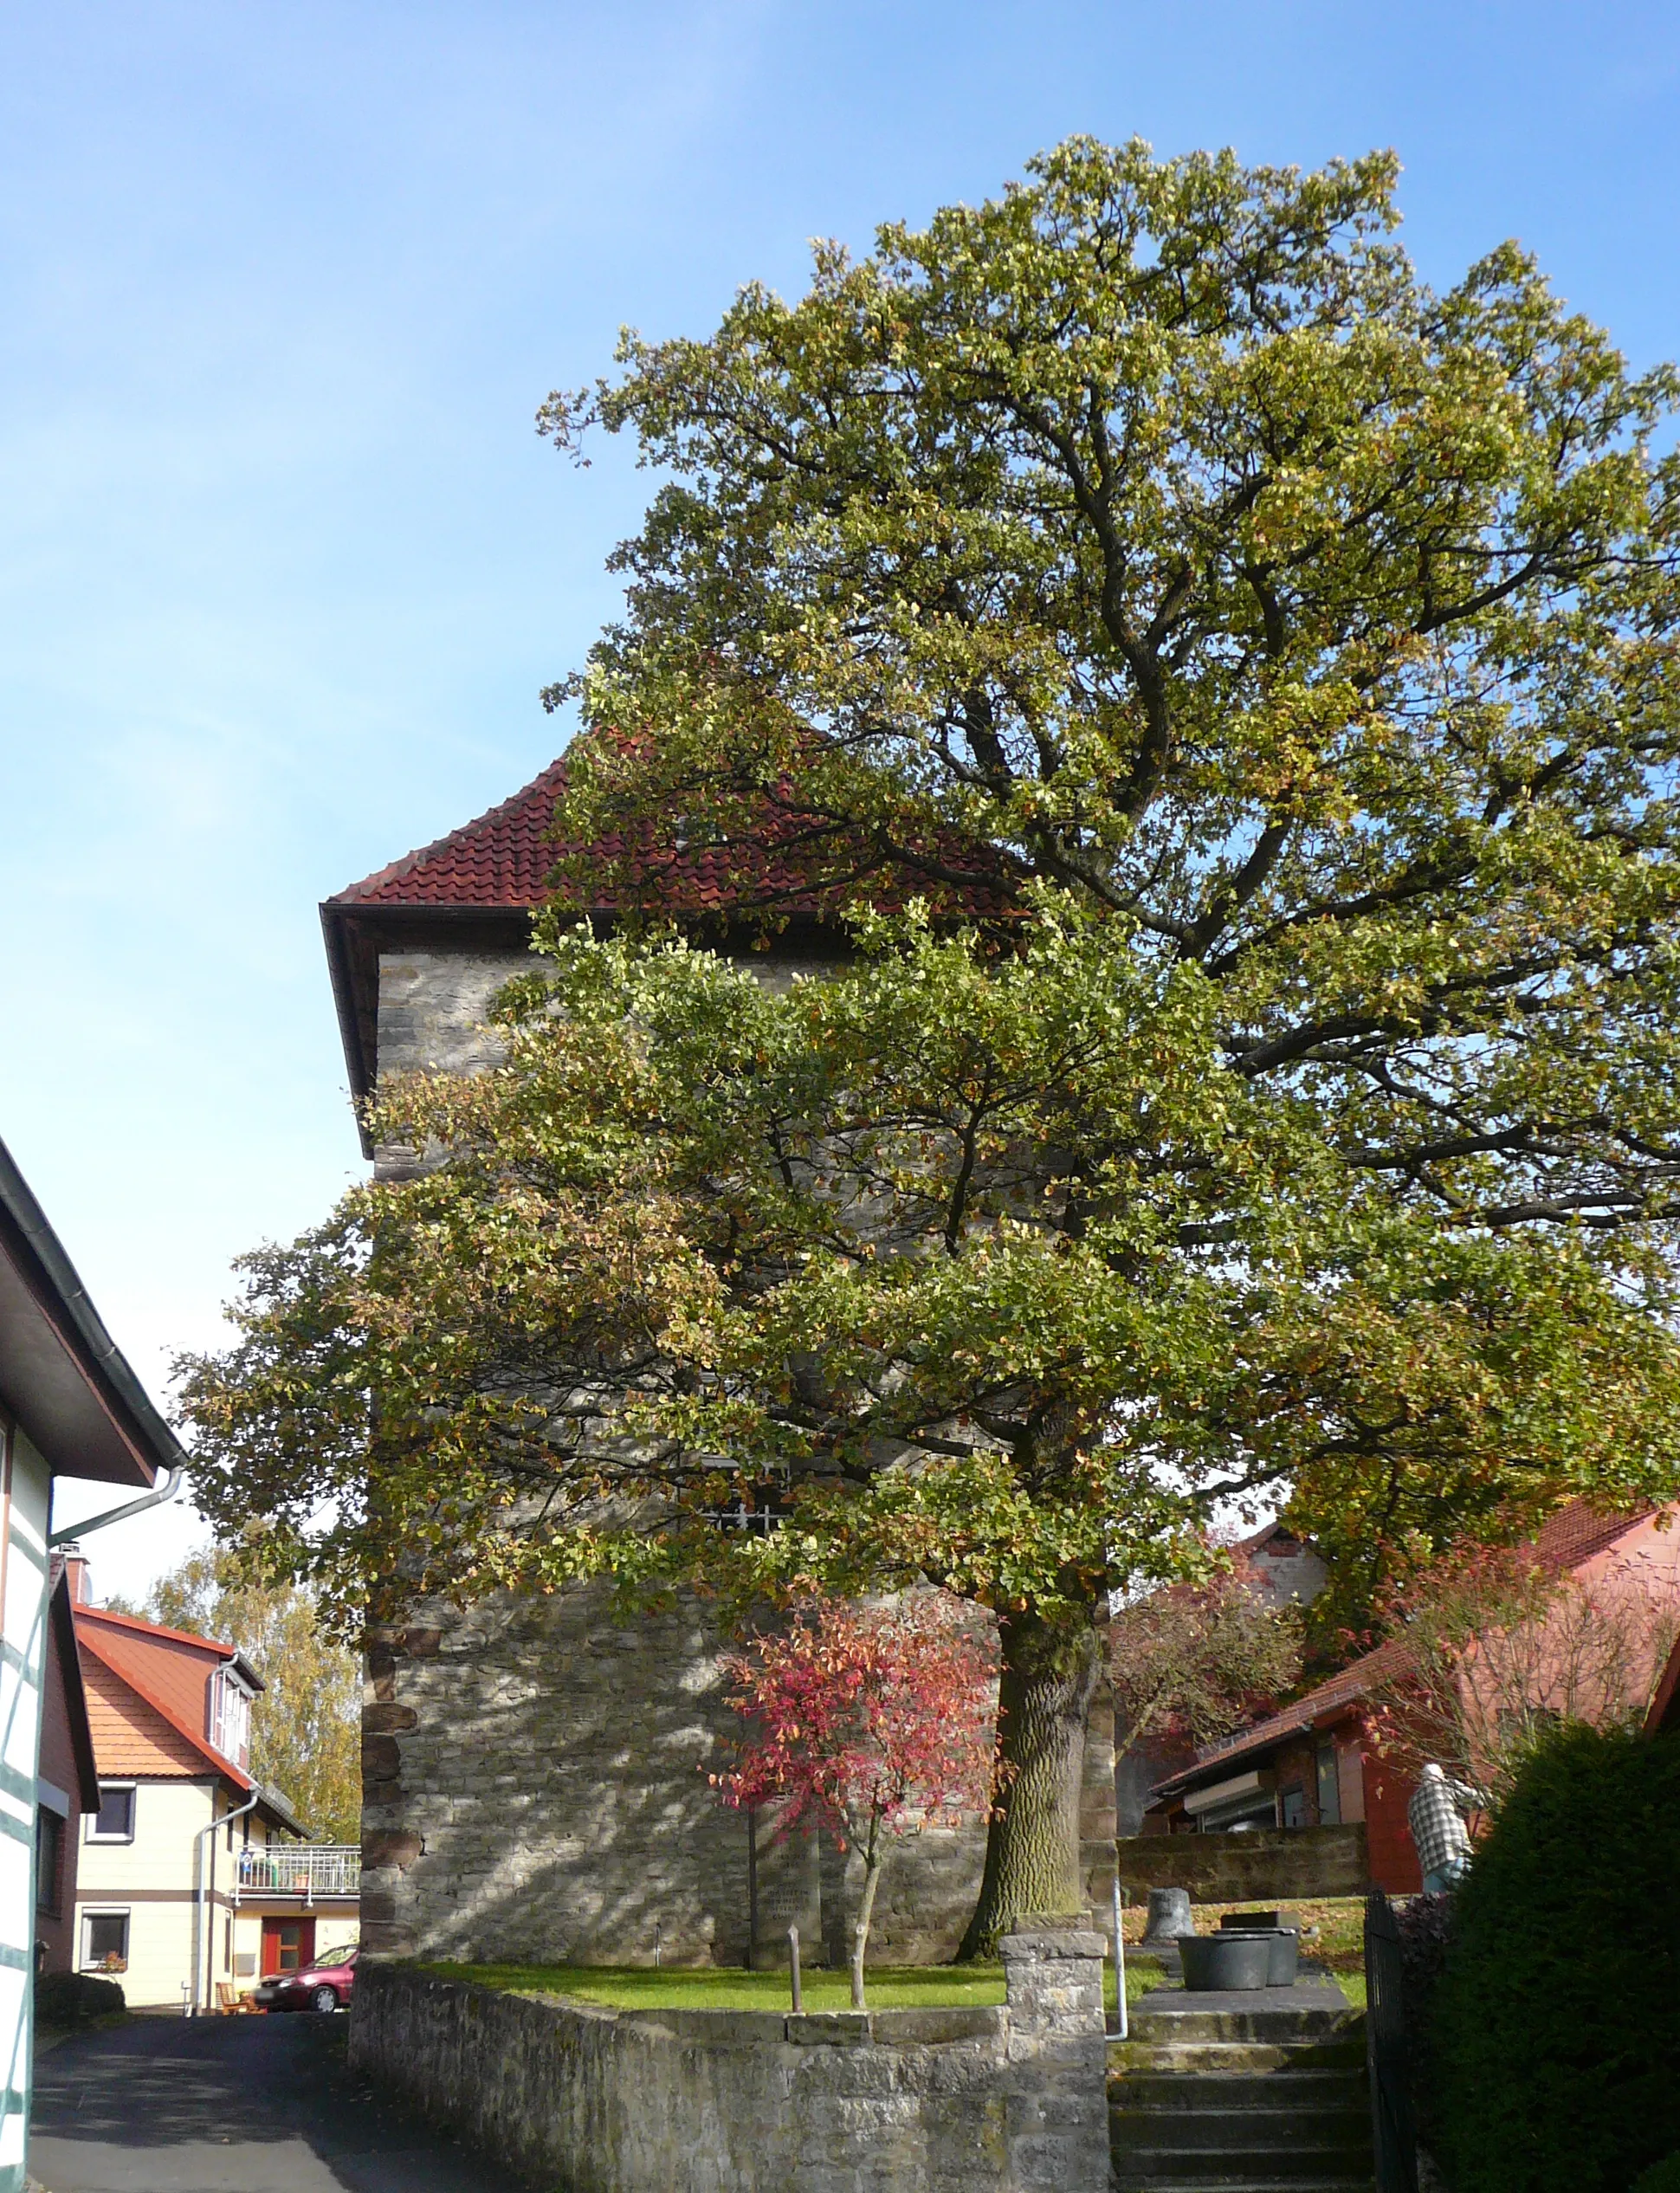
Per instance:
(1437,1817)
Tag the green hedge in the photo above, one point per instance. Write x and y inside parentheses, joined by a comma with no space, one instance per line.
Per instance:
(1556,2032)
(68,1998)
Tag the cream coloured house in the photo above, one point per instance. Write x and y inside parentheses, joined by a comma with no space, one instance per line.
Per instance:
(194,1881)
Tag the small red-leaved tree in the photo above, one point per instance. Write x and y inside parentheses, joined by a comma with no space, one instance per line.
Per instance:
(874,1721)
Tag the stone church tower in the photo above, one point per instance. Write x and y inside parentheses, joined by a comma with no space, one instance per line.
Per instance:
(534,1773)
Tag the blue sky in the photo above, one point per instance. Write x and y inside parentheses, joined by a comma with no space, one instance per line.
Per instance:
(283,564)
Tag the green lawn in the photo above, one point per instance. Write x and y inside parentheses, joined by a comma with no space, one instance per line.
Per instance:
(903,1987)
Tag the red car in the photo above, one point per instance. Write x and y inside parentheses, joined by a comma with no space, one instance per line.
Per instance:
(325,1985)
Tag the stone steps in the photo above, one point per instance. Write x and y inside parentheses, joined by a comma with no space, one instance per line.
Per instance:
(1361,2184)
(1223,2094)
(1341,2089)
(1236,2055)
(1293,2157)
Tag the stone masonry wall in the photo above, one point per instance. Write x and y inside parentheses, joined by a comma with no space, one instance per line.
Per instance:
(1266,1866)
(534,1789)
(534,1771)
(585,2100)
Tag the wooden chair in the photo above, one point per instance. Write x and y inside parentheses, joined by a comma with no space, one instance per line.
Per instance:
(229,2004)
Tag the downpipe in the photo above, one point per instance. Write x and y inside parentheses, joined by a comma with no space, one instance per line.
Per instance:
(205,1945)
(1121,2020)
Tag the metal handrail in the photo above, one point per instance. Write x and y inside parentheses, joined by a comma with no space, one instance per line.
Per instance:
(301,1869)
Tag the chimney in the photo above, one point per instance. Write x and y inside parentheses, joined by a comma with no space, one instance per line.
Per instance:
(75,1567)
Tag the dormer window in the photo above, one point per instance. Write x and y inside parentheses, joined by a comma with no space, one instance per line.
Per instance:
(230,1716)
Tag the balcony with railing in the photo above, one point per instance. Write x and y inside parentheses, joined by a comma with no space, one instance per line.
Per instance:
(304,1870)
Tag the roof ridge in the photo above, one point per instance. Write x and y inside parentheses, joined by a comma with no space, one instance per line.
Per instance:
(158,1629)
(353,894)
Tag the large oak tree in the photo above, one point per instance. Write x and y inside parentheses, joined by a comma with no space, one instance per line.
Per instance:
(1293,645)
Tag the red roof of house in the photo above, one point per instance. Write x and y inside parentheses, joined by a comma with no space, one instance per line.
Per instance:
(1574,1533)
(170,1674)
(168,1669)
(1566,1539)
(505,860)
(1325,1702)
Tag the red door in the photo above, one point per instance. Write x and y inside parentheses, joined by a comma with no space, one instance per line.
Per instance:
(288,1944)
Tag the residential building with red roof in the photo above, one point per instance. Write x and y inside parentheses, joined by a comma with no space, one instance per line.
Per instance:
(193,1881)
(1314,1763)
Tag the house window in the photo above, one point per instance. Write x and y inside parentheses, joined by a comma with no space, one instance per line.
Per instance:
(1292,1805)
(230,1716)
(115,1822)
(106,1948)
(1241,1818)
(1329,1788)
(48,1862)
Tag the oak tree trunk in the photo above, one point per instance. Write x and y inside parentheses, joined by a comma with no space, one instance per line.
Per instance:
(1048,1676)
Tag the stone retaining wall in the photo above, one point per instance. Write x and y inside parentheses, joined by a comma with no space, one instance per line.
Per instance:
(1265,1866)
(586,2100)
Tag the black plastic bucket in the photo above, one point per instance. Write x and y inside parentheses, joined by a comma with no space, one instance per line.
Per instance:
(1226,1960)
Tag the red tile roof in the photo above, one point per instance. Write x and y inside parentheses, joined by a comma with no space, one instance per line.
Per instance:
(1566,1539)
(1325,1702)
(1574,1533)
(506,859)
(169,1670)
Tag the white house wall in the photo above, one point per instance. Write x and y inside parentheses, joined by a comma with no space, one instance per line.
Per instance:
(23,1638)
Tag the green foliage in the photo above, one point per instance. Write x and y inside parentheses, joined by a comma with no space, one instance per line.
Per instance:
(987,1267)
(1192,1659)
(1152,536)
(306,1726)
(1661,2177)
(73,1998)
(1544,2088)
(1291,649)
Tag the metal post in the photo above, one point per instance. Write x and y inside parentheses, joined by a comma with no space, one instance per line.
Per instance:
(1119,1958)
(657,1940)
(793,1968)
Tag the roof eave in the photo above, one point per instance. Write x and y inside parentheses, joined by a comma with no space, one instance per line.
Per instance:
(63,1619)
(69,1385)
(275,1806)
(1274,1732)
(334,932)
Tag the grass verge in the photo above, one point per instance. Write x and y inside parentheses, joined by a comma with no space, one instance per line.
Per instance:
(900,1986)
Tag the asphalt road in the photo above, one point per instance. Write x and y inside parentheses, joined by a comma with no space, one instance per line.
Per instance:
(163,2105)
